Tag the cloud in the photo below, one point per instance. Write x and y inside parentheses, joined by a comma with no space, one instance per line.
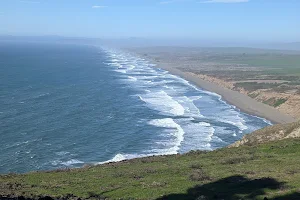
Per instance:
(225,1)
(99,6)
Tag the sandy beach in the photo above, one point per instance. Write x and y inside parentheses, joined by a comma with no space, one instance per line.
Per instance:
(241,101)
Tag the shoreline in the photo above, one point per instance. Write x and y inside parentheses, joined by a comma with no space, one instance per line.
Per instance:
(241,101)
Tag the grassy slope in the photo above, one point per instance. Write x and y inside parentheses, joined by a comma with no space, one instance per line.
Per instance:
(255,172)
(270,133)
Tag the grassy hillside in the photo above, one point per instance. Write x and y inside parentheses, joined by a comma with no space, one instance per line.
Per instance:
(267,170)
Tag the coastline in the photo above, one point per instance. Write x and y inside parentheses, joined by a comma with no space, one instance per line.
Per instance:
(241,101)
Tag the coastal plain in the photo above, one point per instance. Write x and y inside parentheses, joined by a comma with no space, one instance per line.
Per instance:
(261,82)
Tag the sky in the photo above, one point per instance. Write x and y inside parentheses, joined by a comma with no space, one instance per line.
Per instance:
(253,20)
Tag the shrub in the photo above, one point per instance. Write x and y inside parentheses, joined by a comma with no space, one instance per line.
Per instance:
(199,175)
(196,166)
(279,102)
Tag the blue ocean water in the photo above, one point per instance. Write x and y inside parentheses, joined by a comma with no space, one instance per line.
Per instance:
(65,105)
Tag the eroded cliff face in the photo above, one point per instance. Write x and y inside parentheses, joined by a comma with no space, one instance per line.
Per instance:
(271,133)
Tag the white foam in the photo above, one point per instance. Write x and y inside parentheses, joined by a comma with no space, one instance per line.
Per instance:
(217,139)
(72,162)
(117,158)
(237,121)
(120,157)
(147,77)
(132,78)
(232,116)
(123,71)
(204,124)
(62,153)
(163,82)
(198,136)
(184,82)
(195,98)
(265,120)
(188,104)
(177,132)
(241,126)
(174,100)
(130,67)
(212,94)
(162,102)
(115,64)
(66,163)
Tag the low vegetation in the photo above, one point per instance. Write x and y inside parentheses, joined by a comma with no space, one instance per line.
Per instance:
(260,171)
(253,95)
(275,102)
(279,102)
(269,134)
(253,86)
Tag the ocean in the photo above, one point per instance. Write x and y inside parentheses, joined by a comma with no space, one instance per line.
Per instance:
(66,105)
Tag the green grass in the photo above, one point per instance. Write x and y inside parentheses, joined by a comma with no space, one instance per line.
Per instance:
(267,170)
(278,63)
(253,86)
(273,60)
(279,102)
(275,102)
(253,95)
(270,62)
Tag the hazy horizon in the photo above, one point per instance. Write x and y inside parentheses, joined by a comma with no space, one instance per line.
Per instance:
(144,42)
(213,21)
